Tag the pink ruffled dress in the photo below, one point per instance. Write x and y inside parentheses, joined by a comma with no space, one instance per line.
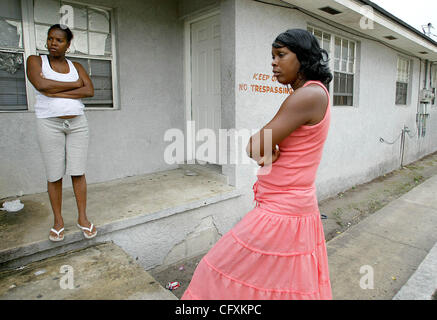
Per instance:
(277,251)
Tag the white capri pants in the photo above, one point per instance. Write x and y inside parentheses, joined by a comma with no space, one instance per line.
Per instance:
(64,146)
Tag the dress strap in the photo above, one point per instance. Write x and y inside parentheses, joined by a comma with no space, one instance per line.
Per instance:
(319,83)
(328,107)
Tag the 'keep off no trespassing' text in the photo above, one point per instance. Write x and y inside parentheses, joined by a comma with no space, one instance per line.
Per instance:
(265,89)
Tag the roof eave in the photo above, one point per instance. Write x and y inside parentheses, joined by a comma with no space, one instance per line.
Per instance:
(397,20)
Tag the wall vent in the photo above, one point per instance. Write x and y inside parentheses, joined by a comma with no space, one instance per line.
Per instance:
(330,10)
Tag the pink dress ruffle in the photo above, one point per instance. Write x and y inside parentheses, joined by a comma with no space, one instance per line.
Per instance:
(277,251)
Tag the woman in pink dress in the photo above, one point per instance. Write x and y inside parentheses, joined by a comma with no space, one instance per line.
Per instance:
(277,251)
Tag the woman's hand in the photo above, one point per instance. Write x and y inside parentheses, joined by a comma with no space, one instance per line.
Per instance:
(79,82)
(85,91)
(269,159)
(48,94)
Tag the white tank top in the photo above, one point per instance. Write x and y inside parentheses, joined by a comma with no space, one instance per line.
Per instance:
(46,107)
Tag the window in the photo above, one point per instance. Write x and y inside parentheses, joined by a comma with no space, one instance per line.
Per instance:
(324,40)
(92,46)
(403,77)
(344,69)
(12,76)
(323,37)
(343,65)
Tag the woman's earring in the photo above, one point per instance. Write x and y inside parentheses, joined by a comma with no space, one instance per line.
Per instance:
(45,45)
(68,51)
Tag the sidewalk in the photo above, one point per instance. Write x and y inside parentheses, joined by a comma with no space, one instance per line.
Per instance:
(102,272)
(423,283)
(391,244)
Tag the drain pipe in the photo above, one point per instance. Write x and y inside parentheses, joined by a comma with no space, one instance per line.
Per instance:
(402,147)
(404,131)
(418,98)
(425,82)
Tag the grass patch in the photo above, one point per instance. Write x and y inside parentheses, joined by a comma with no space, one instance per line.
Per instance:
(337,215)
(375,205)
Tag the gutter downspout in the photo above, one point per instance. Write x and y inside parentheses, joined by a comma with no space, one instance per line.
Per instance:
(425,85)
(418,126)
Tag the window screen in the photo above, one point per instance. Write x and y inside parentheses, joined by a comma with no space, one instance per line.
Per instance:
(403,76)
(12,75)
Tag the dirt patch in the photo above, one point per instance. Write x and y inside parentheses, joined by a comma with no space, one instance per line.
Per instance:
(173,273)
(343,211)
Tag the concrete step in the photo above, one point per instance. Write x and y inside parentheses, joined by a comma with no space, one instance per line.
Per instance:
(117,208)
(208,170)
(102,272)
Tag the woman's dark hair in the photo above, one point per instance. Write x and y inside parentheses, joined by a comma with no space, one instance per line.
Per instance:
(68,33)
(313,59)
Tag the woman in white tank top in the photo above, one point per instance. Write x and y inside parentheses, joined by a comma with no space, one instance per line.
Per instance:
(62,125)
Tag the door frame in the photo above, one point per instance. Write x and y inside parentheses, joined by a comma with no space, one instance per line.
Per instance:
(187,74)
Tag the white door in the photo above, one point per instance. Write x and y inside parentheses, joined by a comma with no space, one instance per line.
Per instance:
(205,82)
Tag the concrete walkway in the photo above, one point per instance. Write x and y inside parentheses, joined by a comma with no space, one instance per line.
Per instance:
(423,283)
(109,202)
(392,254)
(111,206)
(375,258)
(103,272)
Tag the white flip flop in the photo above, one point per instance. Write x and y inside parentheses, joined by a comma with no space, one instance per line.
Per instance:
(56,239)
(87,229)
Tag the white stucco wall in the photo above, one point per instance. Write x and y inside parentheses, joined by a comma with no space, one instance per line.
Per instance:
(150,35)
(123,142)
(353,153)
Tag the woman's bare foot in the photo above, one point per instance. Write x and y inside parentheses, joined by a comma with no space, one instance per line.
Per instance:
(87,224)
(57,226)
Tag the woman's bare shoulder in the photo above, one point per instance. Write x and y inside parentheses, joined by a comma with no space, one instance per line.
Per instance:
(313,88)
(77,64)
(34,59)
(314,93)
(308,96)
(306,103)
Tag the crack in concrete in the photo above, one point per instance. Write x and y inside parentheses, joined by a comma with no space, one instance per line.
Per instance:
(421,204)
(396,241)
(216,228)
(187,236)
